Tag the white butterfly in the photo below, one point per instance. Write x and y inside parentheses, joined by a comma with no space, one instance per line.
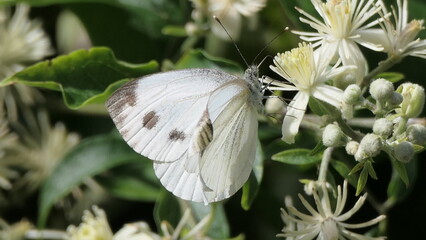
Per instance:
(199,126)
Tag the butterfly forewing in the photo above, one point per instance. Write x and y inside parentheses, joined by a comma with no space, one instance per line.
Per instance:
(157,114)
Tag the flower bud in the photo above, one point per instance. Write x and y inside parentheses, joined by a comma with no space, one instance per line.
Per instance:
(416,134)
(274,105)
(352,147)
(333,136)
(404,152)
(395,99)
(346,78)
(414,99)
(352,94)
(381,89)
(369,146)
(383,127)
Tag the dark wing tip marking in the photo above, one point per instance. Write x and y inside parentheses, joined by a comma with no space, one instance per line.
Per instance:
(176,135)
(150,120)
(126,94)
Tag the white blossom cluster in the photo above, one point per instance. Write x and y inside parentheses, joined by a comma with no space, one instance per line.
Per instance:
(332,69)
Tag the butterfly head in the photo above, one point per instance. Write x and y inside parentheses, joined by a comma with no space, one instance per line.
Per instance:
(251,75)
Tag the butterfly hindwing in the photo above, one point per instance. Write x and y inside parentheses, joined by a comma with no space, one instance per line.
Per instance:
(224,163)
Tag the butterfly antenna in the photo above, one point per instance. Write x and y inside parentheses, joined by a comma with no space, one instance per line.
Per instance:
(229,35)
(269,43)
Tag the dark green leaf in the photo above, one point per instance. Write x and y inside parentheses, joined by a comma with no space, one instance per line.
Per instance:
(90,157)
(135,181)
(391,76)
(251,187)
(83,76)
(344,170)
(362,180)
(200,59)
(297,157)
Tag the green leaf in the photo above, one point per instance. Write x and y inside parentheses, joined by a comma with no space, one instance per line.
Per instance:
(171,209)
(83,77)
(344,171)
(167,208)
(362,180)
(92,156)
(391,76)
(200,59)
(136,182)
(219,228)
(400,169)
(357,168)
(298,156)
(319,148)
(317,107)
(396,190)
(371,170)
(321,108)
(134,33)
(177,31)
(251,187)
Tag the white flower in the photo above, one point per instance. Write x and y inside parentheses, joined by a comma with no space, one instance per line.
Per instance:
(21,40)
(15,231)
(42,147)
(230,13)
(344,26)
(324,223)
(8,145)
(399,38)
(308,73)
(136,231)
(95,226)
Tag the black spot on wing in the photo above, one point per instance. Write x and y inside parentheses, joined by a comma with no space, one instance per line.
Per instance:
(176,135)
(150,120)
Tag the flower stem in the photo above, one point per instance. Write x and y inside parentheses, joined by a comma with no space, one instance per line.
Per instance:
(326,157)
(383,66)
(347,129)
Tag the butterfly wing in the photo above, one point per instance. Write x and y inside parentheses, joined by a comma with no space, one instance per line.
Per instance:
(157,115)
(225,160)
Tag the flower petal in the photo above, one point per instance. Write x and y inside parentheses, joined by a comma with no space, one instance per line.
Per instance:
(293,118)
(375,39)
(329,94)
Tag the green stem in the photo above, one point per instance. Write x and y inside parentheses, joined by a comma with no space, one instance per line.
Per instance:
(383,66)
(347,129)
(326,157)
